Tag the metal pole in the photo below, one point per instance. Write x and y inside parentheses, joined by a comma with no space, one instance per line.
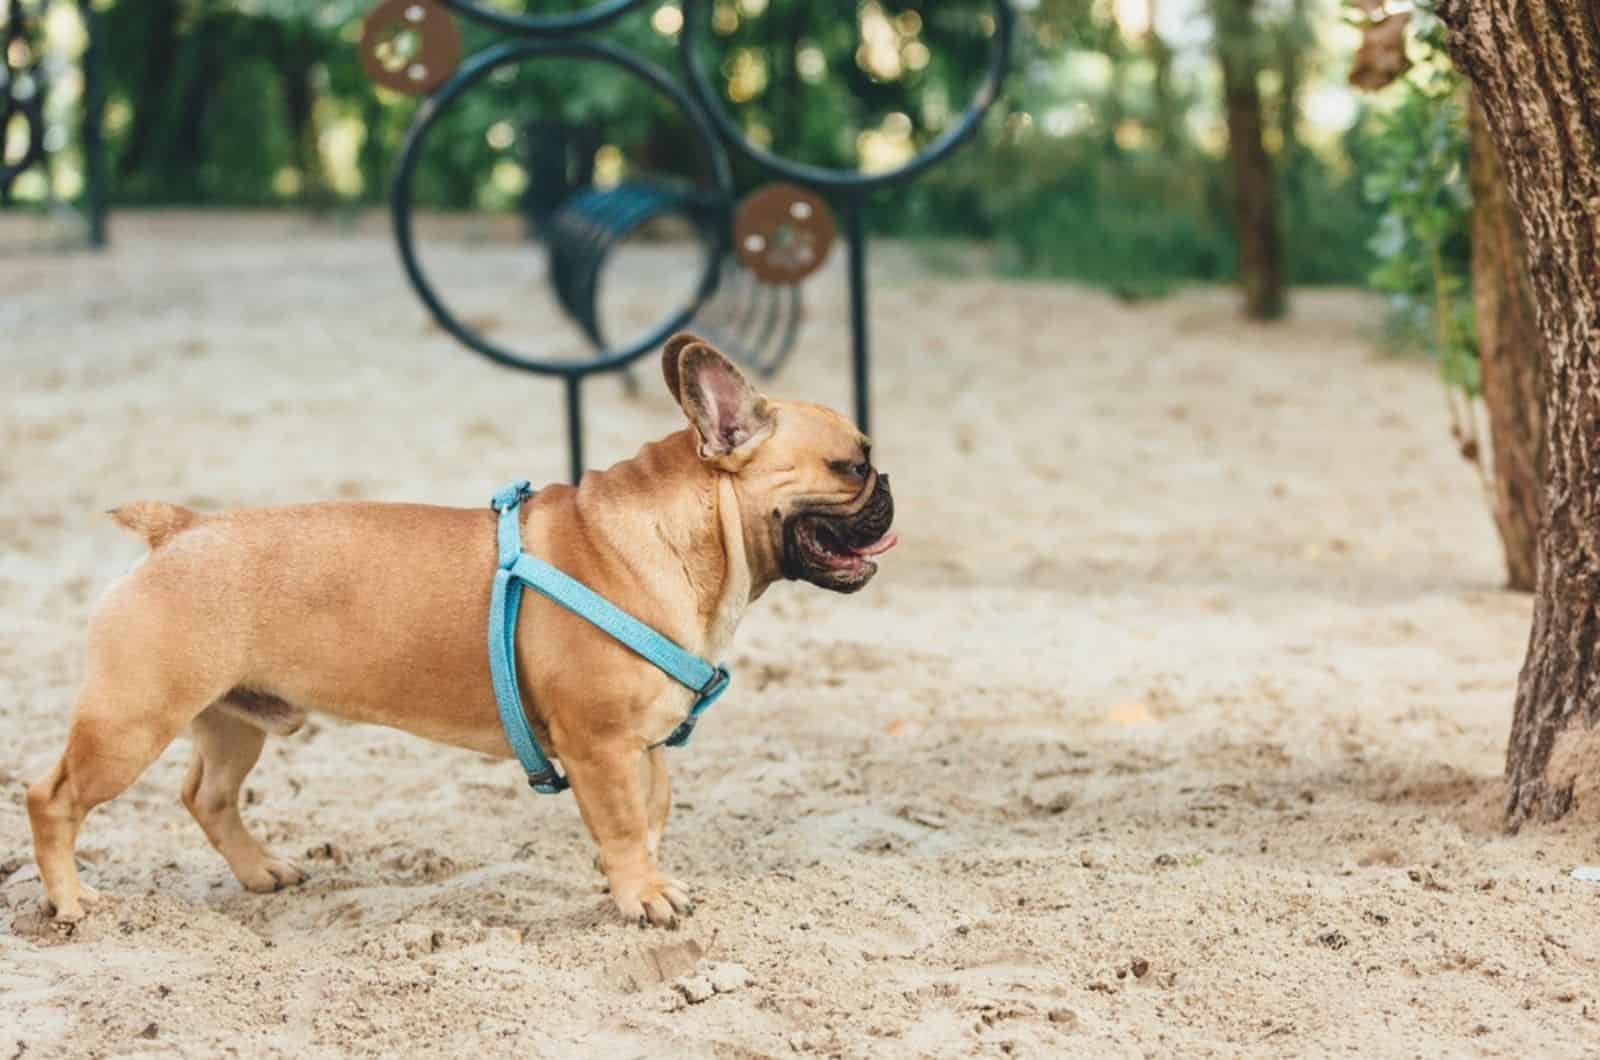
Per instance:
(93,112)
(856,227)
(93,122)
(575,426)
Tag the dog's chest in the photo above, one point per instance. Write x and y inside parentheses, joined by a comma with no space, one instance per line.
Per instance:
(668,710)
(736,581)
(725,618)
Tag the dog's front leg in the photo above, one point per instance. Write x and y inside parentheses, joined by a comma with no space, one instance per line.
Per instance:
(609,785)
(659,800)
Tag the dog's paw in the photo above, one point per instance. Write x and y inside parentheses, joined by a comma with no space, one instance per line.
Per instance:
(270,874)
(657,901)
(73,907)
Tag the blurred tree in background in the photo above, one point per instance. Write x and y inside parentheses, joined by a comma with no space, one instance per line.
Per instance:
(1106,162)
(1255,186)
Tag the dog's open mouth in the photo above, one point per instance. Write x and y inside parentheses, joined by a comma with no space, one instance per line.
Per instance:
(823,544)
(837,551)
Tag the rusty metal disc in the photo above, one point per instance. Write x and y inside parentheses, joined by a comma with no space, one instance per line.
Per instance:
(429,64)
(782,233)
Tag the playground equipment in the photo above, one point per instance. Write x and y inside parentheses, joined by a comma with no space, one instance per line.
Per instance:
(24,82)
(754,256)
(25,79)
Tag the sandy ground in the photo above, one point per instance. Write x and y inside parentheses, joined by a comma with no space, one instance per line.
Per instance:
(1173,727)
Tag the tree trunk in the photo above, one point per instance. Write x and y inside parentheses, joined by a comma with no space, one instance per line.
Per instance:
(1291,42)
(1510,357)
(182,164)
(1112,106)
(374,156)
(158,22)
(1168,110)
(1254,190)
(790,89)
(297,57)
(1535,67)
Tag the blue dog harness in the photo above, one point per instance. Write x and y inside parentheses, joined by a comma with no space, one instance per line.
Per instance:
(517,569)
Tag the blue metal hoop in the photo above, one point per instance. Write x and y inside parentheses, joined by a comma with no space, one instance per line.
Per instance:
(696,16)
(545,25)
(713,158)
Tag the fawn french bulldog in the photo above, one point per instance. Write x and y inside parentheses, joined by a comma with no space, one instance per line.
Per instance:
(238,624)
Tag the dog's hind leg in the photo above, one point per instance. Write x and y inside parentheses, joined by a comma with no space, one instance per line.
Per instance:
(115,734)
(226,747)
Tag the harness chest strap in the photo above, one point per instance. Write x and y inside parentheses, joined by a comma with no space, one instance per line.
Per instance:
(517,569)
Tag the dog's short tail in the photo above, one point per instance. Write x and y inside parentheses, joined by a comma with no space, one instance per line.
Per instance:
(154,521)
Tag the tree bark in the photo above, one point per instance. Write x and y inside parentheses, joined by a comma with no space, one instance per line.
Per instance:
(1510,357)
(1254,188)
(1535,67)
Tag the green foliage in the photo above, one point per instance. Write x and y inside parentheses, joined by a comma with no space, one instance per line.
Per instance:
(1417,172)
(1101,179)
(1101,164)
(249,138)
(1140,221)
(819,89)
(1328,221)
(1065,207)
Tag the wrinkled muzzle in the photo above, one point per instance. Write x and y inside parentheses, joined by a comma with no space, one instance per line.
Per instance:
(836,550)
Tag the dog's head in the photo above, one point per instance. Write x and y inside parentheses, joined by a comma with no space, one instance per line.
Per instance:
(811,501)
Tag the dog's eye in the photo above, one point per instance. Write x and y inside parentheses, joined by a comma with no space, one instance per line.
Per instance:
(851,468)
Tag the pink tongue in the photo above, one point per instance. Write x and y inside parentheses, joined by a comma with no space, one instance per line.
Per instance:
(879,547)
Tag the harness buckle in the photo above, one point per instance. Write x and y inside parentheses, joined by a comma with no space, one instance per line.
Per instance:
(509,496)
(547,782)
(714,687)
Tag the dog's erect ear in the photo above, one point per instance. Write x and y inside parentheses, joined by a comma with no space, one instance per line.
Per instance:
(730,417)
(669,359)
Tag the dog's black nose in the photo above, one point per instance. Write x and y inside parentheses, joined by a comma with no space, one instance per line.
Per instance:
(876,515)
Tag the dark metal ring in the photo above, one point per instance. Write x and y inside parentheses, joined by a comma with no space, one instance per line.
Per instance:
(546,25)
(714,161)
(31,111)
(695,16)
